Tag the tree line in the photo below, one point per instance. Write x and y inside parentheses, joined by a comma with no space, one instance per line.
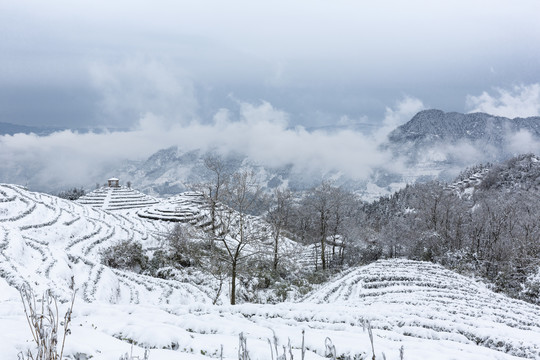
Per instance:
(492,232)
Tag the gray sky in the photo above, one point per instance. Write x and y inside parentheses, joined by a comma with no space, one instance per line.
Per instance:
(104,63)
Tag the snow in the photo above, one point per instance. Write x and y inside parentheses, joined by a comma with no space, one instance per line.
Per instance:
(429,311)
(117,198)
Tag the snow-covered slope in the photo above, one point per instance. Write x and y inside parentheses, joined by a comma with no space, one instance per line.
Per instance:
(428,312)
(423,300)
(47,242)
(519,173)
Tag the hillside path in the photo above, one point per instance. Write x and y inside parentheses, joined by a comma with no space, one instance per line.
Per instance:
(107,198)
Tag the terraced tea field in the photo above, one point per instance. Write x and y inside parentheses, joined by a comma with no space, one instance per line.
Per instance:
(51,242)
(416,308)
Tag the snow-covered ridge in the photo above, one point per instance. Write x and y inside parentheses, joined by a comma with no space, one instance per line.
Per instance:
(436,125)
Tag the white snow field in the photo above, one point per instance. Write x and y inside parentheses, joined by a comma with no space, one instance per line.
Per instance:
(432,313)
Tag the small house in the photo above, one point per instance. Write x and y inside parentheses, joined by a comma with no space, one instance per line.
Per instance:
(113,182)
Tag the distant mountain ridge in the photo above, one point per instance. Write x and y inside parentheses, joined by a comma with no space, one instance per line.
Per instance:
(12,129)
(436,125)
(170,171)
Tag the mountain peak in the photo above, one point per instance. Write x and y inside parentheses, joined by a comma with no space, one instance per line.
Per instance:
(435,125)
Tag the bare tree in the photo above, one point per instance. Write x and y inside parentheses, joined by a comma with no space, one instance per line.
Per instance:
(241,235)
(320,203)
(214,190)
(278,217)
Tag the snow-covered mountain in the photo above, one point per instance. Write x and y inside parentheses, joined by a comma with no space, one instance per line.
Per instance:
(449,142)
(172,170)
(434,126)
(432,145)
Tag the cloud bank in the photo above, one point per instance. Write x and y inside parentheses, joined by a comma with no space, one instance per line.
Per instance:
(519,101)
(260,131)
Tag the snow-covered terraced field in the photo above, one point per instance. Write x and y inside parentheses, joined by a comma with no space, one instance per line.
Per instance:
(46,242)
(188,207)
(429,312)
(117,198)
(191,208)
(423,300)
(403,307)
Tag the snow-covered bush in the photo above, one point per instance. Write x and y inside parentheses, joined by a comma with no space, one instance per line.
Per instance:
(72,194)
(180,251)
(125,255)
(531,288)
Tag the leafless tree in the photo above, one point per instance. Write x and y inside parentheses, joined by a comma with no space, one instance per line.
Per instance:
(278,216)
(321,204)
(214,190)
(241,234)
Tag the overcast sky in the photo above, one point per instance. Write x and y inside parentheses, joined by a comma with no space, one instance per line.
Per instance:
(108,63)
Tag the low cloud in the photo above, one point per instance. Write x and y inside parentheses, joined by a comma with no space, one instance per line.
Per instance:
(522,142)
(519,101)
(404,110)
(258,130)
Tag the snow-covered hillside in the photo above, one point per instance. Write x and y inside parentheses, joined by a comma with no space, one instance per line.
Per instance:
(423,300)
(48,242)
(117,198)
(429,312)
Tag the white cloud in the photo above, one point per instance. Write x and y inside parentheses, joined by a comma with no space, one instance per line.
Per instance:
(522,142)
(520,101)
(259,130)
(404,110)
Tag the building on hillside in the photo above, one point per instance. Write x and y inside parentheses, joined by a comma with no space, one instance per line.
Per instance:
(113,182)
(112,196)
